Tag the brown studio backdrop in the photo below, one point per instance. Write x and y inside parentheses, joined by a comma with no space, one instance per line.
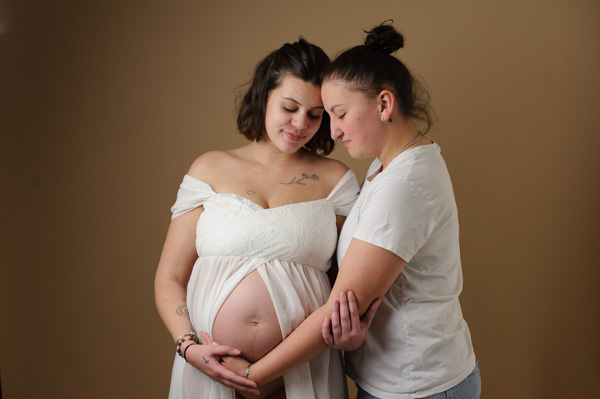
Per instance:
(105,105)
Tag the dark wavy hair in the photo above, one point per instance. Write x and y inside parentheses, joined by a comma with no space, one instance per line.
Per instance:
(300,59)
(371,68)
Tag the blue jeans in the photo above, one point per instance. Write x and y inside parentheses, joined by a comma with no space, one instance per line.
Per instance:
(469,388)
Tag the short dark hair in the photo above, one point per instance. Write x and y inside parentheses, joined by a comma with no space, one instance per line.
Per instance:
(300,59)
(371,68)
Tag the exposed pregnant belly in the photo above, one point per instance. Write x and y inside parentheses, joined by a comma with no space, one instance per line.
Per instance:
(247,320)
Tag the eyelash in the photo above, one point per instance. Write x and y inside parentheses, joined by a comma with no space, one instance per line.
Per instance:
(311,116)
(342,116)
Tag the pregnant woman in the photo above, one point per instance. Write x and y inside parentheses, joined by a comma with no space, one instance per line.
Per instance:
(252,236)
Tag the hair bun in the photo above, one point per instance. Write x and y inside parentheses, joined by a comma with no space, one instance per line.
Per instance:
(384,38)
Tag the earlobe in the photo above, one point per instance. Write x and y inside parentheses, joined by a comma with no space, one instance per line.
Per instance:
(386,105)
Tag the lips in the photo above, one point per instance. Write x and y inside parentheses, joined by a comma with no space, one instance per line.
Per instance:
(293,136)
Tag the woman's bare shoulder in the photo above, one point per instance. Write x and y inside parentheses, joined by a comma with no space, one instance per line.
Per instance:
(209,163)
(331,167)
(330,170)
(336,166)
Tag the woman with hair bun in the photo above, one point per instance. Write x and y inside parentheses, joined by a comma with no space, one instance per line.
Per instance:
(252,236)
(394,307)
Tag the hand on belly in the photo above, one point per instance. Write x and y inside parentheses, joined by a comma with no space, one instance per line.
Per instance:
(247,320)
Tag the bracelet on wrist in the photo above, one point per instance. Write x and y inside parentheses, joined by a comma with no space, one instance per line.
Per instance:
(191,336)
(185,351)
(247,370)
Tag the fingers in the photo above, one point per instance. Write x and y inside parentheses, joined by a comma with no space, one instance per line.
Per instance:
(336,328)
(326,331)
(366,320)
(344,323)
(344,314)
(348,328)
(345,328)
(353,309)
(231,379)
(221,350)
(205,338)
(206,358)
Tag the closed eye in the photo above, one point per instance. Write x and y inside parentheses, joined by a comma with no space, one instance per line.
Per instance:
(314,117)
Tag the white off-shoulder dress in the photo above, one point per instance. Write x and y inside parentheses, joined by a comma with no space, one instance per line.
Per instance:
(291,248)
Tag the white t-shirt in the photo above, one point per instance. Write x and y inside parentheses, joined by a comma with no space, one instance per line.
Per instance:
(419,344)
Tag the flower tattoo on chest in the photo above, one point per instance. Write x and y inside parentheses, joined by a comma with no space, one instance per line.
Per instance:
(302,180)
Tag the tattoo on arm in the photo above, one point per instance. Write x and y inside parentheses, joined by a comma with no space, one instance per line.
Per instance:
(205,360)
(182,311)
(302,179)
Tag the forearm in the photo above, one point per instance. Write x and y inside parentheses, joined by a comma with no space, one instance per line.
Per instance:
(170,297)
(304,343)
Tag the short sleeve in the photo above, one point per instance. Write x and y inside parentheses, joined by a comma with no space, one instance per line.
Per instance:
(344,194)
(192,194)
(396,216)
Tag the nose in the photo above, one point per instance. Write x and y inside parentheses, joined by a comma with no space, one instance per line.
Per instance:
(335,132)
(300,121)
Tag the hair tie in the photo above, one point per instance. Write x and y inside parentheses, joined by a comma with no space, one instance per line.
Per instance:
(185,350)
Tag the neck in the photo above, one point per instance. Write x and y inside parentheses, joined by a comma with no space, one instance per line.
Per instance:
(403,135)
(265,153)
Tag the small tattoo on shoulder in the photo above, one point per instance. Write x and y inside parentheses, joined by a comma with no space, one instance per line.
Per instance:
(250,192)
(303,179)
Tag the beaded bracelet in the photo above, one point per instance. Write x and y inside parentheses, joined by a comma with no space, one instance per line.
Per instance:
(191,336)
(186,337)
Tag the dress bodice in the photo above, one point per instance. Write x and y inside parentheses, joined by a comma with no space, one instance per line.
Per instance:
(232,225)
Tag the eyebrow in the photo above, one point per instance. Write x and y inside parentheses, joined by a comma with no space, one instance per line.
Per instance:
(333,107)
(296,102)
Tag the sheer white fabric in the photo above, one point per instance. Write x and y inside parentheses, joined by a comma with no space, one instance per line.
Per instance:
(291,248)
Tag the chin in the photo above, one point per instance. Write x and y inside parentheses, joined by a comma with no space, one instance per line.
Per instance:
(358,155)
(290,149)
